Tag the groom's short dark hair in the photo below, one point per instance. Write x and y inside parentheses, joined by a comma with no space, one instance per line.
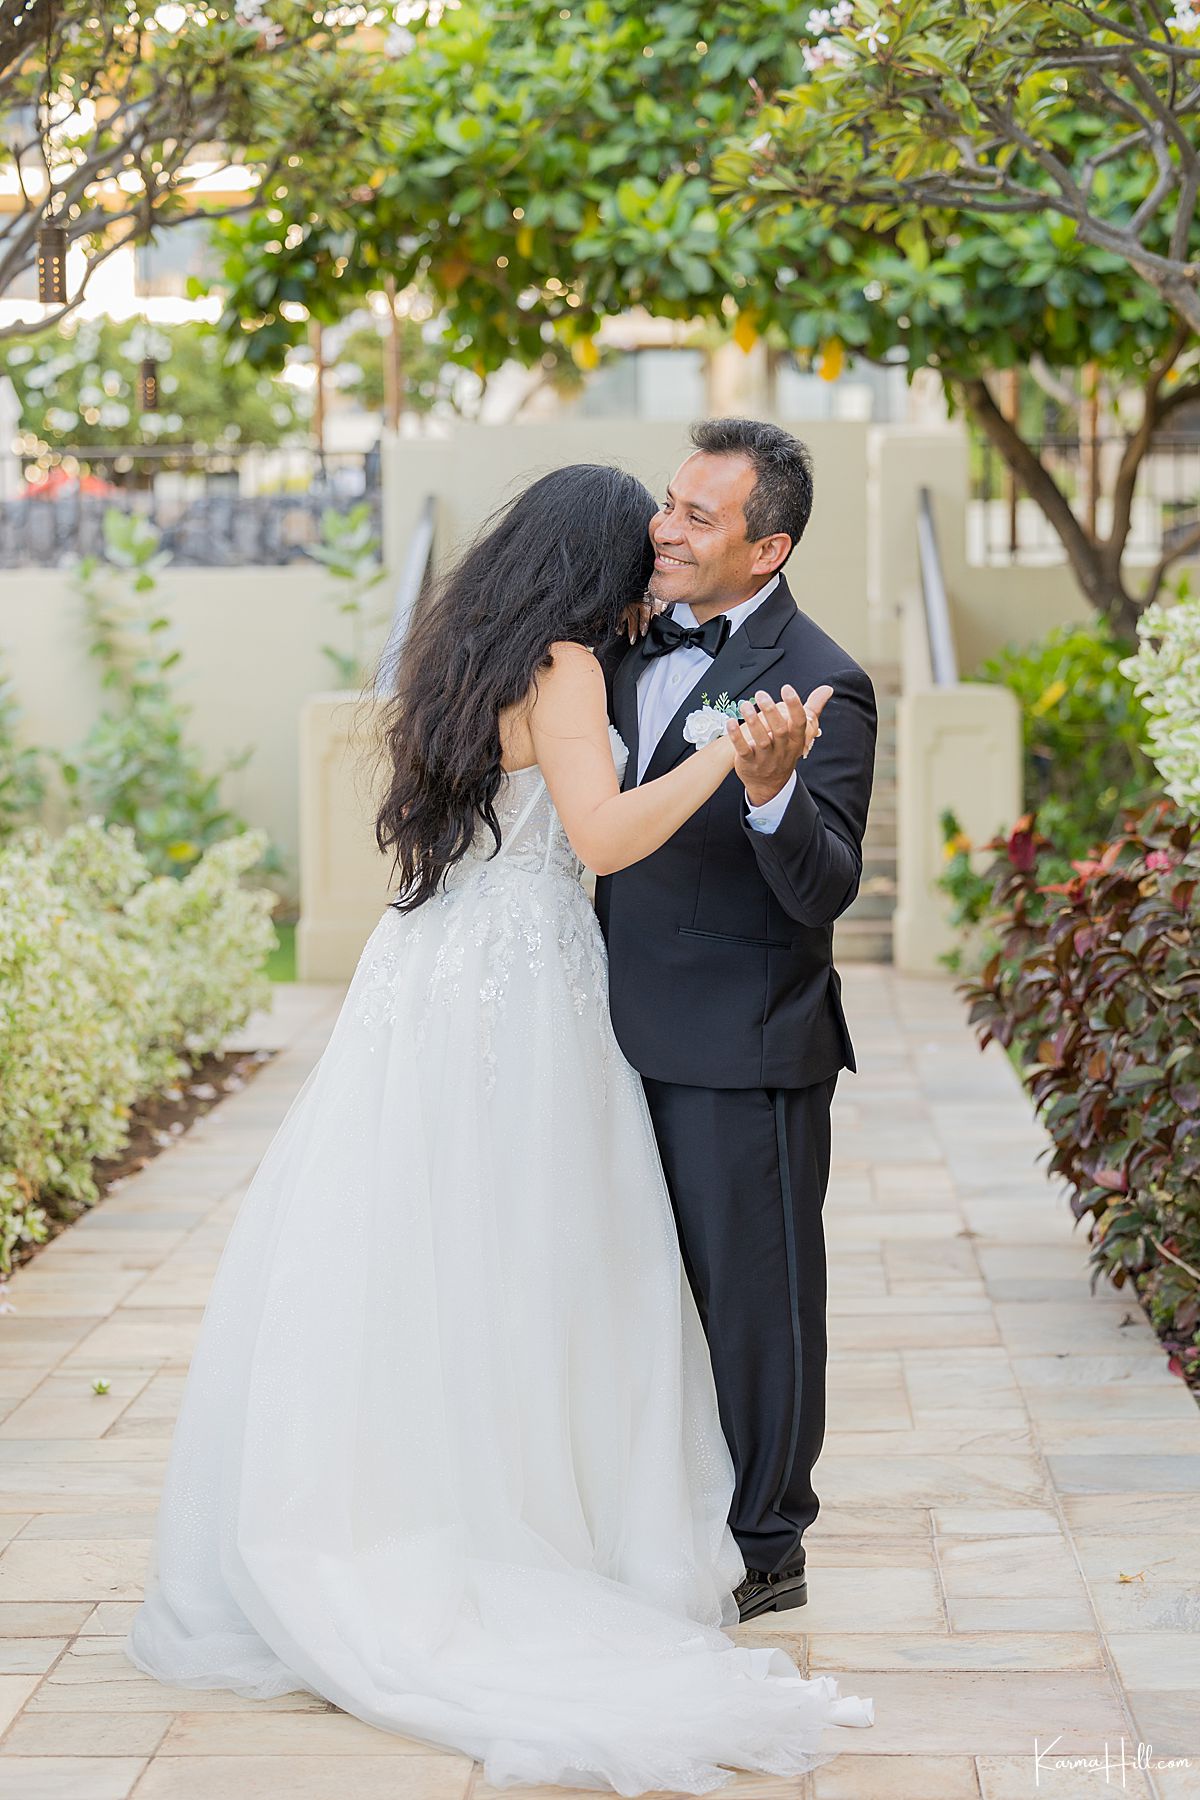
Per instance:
(782,496)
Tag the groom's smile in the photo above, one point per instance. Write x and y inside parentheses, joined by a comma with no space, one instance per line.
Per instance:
(702,554)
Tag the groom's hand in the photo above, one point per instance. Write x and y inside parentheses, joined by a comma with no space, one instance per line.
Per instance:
(773,737)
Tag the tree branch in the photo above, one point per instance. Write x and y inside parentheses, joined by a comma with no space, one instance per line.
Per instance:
(1189,542)
(1185,215)
(1136,446)
(23,327)
(1162,112)
(1186,394)
(1168,46)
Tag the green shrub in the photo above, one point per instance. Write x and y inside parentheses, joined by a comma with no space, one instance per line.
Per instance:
(351,553)
(112,981)
(135,767)
(1084,730)
(1095,988)
(22,785)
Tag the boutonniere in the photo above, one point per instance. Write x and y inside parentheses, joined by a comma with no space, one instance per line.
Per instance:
(708,721)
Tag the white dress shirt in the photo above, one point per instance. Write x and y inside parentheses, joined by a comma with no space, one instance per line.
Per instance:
(666,680)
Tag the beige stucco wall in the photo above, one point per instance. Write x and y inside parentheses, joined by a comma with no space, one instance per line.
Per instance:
(957,748)
(344,879)
(481,466)
(251,654)
(251,638)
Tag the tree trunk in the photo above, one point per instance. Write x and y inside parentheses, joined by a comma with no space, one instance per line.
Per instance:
(1096,568)
(316,343)
(393,361)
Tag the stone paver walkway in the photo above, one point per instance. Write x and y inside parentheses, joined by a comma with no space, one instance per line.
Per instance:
(1009,1543)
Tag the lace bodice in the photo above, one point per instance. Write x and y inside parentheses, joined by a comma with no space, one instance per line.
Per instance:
(532,838)
(493,927)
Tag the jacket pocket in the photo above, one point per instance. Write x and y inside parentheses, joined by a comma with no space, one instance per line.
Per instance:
(726,937)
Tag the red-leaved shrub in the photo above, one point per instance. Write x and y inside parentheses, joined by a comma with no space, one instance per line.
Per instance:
(1096,989)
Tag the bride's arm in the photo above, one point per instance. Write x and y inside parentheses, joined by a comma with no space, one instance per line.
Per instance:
(608,830)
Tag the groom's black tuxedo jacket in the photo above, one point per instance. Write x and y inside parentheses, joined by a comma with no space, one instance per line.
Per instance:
(721,943)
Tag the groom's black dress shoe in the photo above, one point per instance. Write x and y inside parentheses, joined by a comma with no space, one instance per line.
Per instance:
(760,1592)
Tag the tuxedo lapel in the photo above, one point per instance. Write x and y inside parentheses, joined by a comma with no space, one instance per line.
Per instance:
(748,653)
(625,707)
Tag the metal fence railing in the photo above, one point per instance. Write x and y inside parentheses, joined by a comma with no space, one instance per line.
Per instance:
(213,508)
(411,588)
(1004,525)
(939,632)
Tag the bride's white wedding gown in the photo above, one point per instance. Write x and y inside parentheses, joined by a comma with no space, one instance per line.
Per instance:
(448,1453)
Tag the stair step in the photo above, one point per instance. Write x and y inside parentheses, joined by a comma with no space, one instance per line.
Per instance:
(876,899)
(862,940)
(864,932)
(877,909)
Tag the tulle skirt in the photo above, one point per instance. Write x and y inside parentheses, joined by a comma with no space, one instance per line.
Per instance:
(448,1453)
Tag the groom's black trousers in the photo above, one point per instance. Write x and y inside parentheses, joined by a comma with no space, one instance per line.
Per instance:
(747,1170)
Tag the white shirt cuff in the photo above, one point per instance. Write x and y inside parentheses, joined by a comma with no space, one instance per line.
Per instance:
(766,818)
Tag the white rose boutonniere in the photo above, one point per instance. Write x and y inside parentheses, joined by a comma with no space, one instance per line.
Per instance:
(709,720)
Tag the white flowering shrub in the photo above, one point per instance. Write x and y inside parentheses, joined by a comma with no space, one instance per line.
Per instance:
(1166,674)
(207,937)
(111,982)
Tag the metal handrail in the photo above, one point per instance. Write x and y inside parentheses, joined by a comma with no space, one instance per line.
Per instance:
(943,661)
(414,577)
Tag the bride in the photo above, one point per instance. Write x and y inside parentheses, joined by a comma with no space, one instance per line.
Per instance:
(448,1453)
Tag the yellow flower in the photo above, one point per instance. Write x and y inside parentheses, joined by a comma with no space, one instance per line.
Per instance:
(181,850)
(833,358)
(745,333)
(1049,698)
(955,845)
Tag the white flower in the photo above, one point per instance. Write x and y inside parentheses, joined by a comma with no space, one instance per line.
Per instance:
(842,13)
(872,35)
(816,56)
(1164,673)
(760,143)
(706,726)
(818,22)
(1186,17)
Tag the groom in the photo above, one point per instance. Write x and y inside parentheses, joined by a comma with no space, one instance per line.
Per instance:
(722,986)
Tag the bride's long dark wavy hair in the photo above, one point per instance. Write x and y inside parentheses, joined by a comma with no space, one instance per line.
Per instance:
(560,562)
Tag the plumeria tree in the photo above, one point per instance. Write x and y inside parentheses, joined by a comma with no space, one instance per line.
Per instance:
(1003,107)
(539,171)
(919,117)
(123,114)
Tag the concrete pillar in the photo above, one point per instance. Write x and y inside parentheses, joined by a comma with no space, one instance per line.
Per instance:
(343,878)
(900,461)
(958,748)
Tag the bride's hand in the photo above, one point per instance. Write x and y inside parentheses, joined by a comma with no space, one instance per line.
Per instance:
(635,622)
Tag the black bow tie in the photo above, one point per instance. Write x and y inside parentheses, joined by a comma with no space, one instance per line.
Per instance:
(666,635)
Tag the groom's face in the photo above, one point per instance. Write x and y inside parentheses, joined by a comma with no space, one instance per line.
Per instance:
(701,552)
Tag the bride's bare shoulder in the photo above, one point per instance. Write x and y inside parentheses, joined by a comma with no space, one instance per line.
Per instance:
(575,661)
(572,677)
